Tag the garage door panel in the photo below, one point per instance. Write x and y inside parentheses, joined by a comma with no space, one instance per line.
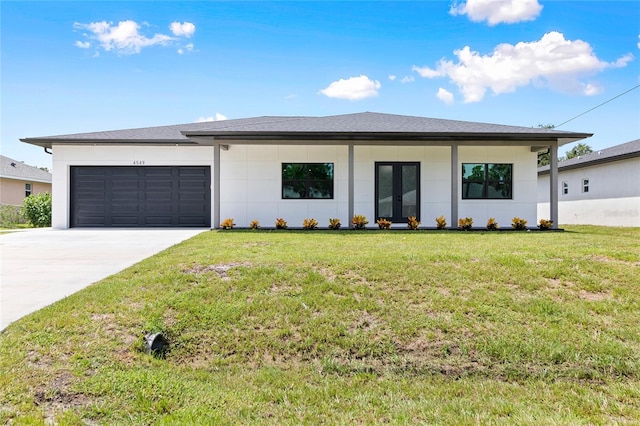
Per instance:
(159,183)
(159,220)
(90,220)
(140,196)
(124,220)
(119,184)
(122,171)
(192,207)
(191,220)
(93,197)
(90,185)
(191,196)
(191,185)
(159,171)
(120,195)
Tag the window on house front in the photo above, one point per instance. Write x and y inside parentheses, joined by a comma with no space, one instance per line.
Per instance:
(27,189)
(307,180)
(565,188)
(585,185)
(487,181)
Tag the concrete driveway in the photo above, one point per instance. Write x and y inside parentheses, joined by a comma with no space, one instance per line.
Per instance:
(41,266)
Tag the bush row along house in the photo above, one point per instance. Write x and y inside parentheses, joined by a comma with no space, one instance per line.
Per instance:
(18,181)
(263,168)
(600,188)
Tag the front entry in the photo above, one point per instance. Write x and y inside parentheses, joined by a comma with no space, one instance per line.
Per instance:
(397,191)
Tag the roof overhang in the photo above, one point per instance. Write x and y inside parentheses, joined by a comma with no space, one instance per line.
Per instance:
(48,143)
(537,140)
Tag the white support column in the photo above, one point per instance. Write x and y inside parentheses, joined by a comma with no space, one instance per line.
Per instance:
(216,187)
(454,185)
(553,184)
(351,161)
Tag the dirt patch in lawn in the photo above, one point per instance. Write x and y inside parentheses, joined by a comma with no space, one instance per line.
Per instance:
(220,269)
(56,397)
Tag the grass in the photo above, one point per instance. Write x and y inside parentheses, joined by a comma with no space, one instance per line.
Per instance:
(349,327)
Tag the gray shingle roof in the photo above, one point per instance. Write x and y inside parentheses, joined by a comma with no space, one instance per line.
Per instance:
(366,122)
(614,153)
(13,169)
(365,125)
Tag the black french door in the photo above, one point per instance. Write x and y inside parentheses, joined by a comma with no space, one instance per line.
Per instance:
(397,190)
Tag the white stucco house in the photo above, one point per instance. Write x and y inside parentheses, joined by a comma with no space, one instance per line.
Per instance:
(600,188)
(263,168)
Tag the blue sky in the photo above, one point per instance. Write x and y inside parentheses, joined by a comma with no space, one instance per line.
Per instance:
(72,67)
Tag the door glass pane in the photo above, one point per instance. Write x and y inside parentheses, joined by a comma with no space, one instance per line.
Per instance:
(409,190)
(385,190)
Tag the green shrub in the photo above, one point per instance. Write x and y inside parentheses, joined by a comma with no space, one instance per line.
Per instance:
(10,216)
(37,209)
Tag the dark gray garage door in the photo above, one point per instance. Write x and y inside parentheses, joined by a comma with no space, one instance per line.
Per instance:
(140,196)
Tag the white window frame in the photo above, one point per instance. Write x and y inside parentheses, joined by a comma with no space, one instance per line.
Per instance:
(565,188)
(585,185)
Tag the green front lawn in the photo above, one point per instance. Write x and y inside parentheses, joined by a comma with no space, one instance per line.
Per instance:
(347,327)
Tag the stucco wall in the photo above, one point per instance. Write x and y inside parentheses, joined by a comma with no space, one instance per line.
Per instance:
(250,179)
(12,191)
(250,184)
(613,198)
(523,204)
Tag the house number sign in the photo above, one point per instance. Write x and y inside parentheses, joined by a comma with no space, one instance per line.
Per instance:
(138,162)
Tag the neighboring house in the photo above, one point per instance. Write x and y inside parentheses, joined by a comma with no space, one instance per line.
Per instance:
(18,181)
(377,165)
(600,188)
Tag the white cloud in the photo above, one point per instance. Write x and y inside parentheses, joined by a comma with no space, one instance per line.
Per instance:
(124,38)
(552,60)
(392,77)
(498,11)
(218,117)
(408,79)
(591,89)
(426,72)
(188,48)
(127,37)
(354,88)
(445,96)
(186,29)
